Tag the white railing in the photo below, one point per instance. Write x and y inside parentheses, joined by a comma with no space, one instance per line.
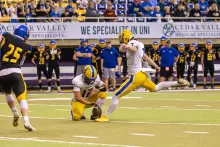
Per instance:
(112,19)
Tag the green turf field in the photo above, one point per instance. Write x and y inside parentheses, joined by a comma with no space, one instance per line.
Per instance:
(164,119)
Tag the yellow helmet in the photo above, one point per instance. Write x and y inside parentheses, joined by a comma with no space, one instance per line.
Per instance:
(89,74)
(125,36)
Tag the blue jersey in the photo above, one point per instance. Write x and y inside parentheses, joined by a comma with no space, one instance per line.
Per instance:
(110,57)
(168,56)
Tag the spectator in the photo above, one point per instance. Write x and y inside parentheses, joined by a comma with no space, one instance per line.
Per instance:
(42,10)
(109,59)
(158,14)
(66,14)
(167,14)
(3,11)
(55,15)
(14,6)
(195,12)
(147,8)
(213,12)
(135,9)
(8,9)
(204,5)
(61,9)
(14,17)
(21,12)
(172,6)
(73,14)
(32,8)
(70,6)
(49,7)
(91,12)
(83,54)
(162,4)
(29,16)
(81,12)
(168,57)
(109,13)
(180,12)
(153,2)
(185,6)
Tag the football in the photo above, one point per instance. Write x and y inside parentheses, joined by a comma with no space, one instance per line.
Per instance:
(96,112)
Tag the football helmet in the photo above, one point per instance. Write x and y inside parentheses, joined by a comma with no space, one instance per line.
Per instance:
(22,32)
(208,44)
(125,36)
(89,74)
(181,47)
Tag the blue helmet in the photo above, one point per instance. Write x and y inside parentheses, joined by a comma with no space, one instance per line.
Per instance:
(41,45)
(155,42)
(92,45)
(22,32)
(163,38)
(181,45)
(208,42)
(53,42)
(101,40)
(117,74)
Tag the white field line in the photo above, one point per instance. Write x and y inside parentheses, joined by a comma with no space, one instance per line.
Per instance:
(69,99)
(126,122)
(192,132)
(62,110)
(65,142)
(138,134)
(167,106)
(89,137)
(203,106)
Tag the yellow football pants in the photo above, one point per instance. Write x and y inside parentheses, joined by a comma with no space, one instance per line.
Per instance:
(134,81)
(78,108)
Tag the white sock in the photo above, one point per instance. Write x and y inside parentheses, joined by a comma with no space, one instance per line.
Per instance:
(9,98)
(23,104)
(166,84)
(100,102)
(113,105)
(26,119)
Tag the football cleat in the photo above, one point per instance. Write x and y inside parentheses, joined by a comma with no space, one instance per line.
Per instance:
(212,87)
(183,82)
(194,86)
(29,127)
(205,87)
(102,119)
(15,120)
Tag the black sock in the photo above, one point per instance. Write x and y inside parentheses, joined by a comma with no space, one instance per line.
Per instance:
(40,85)
(58,83)
(49,83)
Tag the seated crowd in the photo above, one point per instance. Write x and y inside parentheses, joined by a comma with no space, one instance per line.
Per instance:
(81,10)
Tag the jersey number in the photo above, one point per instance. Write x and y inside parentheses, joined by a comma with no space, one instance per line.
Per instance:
(86,93)
(193,57)
(155,57)
(16,54)
(182,59)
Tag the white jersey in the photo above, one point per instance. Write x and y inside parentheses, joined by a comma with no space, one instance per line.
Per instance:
(79,85)
(134,59)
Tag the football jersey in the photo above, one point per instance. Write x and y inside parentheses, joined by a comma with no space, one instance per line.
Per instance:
(79,85)
(12,51)
(193,56)
(40,57)
(182,57)
(53,57)
(154,55)
(208,58)
(134,59)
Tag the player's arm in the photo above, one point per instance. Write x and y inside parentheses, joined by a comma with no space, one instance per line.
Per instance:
(33,60)
(80,99)
(213,55)
(88,54)
(151,62)
(202,60)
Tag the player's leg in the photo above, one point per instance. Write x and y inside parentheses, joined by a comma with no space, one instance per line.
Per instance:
(162,74)
(99,68)
(50,73)
(129,85)
(39,78)
(182,71)
(212,71)
(57,73)
(195,76)
(45,73)
(77,110)
(178,72)
(6,87)
(75,68)
(20,90)
(189,72)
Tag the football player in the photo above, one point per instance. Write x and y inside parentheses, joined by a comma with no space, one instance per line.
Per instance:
(53,64)
(181,63)
(207,61)
(193,56)
(89,90)
(13,48)
(138,75)
(95,55)
(100,47)
(153,53)
(41,55)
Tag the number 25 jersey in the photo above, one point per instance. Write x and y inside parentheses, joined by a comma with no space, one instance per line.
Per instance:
(12,51)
